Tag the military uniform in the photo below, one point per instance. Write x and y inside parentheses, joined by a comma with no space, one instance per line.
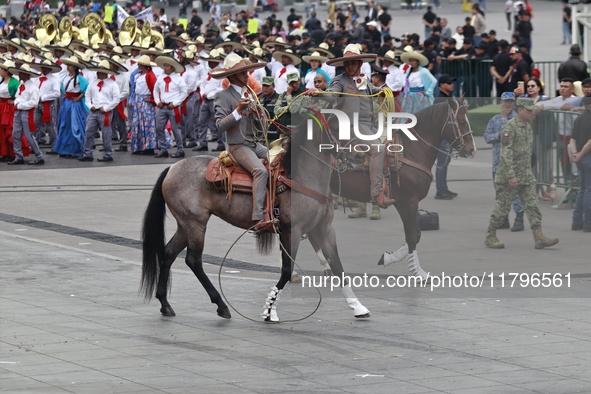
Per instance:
(516,141)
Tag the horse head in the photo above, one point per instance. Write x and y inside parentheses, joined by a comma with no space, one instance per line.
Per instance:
(457,129)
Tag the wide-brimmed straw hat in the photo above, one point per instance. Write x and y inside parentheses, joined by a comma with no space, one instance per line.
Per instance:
(46,64)
(162,60)
(74,61)
(406,56)
(60,47)
(390,56)
(278,42)
(236,46)
(184,38)
(24,69)
(24,57)
(351,53)
(190,57)
(295,60)
(104,66)
(315,56)
(135,45)
(257,52)
(145,60)
(152,52)
(324,49)
(234,64)
(115,60)
(15,43)
(7,64)
(214,55)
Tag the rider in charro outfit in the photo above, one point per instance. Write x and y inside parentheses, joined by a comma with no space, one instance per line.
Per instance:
(232,116)
(354,83)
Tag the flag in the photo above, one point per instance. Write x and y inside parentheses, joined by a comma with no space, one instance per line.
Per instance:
(146,15)
(184,22)
(253,26)
(108,14)
(121,15)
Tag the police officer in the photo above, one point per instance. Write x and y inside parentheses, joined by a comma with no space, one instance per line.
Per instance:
(514,177)
(268,100)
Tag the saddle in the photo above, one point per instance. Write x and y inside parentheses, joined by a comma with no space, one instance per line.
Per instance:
(226,175)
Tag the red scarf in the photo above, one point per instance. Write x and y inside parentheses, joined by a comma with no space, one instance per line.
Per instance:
(283,71)
(208,76)
(100,85)
(167,81)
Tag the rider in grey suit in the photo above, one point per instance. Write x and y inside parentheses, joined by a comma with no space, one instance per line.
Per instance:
(232,113)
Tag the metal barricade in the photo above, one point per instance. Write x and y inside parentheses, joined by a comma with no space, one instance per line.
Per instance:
(551,162)
(549,76)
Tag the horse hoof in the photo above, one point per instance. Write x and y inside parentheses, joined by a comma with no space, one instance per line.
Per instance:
(224,312)
(269,319)
(364,316)
(167,311)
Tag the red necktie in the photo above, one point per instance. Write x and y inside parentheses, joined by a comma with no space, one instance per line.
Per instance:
(100,85)
(208,76)
(182,73)
(251,71)
(167,80)
(41,80)
(59,63)
(283,71)
(112,77)
(21,88)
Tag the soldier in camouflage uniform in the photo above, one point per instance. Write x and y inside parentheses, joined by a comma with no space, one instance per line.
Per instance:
(514,177)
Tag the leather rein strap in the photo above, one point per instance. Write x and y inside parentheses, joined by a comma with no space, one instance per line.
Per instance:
(416,165)
(304,190)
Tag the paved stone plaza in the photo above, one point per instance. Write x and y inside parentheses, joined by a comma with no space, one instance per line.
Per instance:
(72,320)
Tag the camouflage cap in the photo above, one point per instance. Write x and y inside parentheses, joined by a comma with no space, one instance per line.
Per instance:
(526,103)
(268,81)
(292,77)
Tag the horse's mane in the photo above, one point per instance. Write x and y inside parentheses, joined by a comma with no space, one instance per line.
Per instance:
(296,138)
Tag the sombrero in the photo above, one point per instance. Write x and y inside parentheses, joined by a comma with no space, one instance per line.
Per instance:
(214,56)
(295,60)
(235,45)
(8,64)
(278,42)
(162,60)
(324,49)
(118,51)
(184,38)
(259,53)
(60,47)
(15,43)
(232,28)
(24,69)
(73,61)
(24,57)
(86,59)
(151,51)
(115,60)
(234,64)
(351,53)
(390,56)
(315,56)
(190,57)
(135,45)
(78,44)
(46,64)
(406,56)
(104,66)
(145,60)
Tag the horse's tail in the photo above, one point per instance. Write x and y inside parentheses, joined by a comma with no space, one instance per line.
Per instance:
(153,238)
(265,243)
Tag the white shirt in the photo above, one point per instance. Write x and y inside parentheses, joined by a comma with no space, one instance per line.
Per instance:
(106,97)
(211,86)
(330,70)
(395,78)
(141,86)
(200,73)
(4,93)
(90,76)
(190,77)
(64,72)
(281,82)
(49,90)
(131,64)
(177,90)
(258,74)
(123,84)
(68,85)
(28,98)
(309,79)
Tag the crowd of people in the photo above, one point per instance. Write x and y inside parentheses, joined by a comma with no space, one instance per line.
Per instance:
(151,99)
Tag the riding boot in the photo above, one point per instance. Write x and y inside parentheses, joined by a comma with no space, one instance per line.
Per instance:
(379,187)
(518,223)
(505,224)
(541,240)
(375,213)
(359,212)
(491,239)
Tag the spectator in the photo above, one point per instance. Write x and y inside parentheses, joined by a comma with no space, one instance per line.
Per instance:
(581,155)
(509,14)
(429,21)
(478,22)
(196,21)
(468,30)
(566,24)
(372,11)
(520,69)
(524,29)
(445,29)
(385,21)
(573,68)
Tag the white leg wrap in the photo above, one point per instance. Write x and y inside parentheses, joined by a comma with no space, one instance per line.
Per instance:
(270,312)
(394,257)
(415,267)
(358,309)
(322,259)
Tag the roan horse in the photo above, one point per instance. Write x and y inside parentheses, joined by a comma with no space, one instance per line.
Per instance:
(192,200)
(411,179)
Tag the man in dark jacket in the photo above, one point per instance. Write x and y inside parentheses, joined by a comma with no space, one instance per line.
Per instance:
(574,68)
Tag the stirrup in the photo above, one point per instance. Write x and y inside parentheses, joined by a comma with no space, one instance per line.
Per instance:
(266,225)
(383,201)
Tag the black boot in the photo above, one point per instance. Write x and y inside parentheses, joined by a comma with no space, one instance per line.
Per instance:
(518,223)
(505,224)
